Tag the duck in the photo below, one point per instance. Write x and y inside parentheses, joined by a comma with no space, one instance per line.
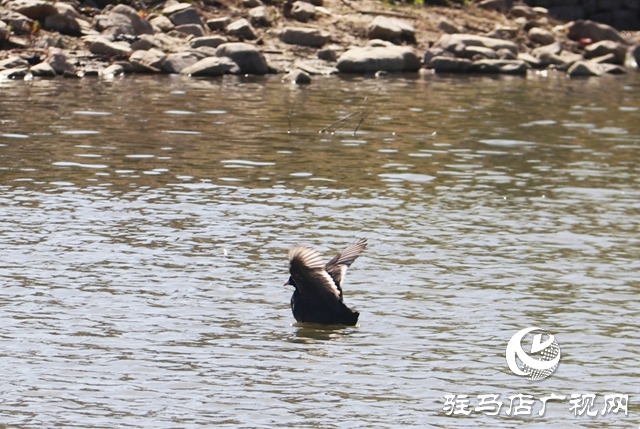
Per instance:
(317,296)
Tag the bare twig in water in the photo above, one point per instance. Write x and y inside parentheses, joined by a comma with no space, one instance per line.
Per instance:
(343,119)
(289,116)
(363,116)
(359,122)
(340,125)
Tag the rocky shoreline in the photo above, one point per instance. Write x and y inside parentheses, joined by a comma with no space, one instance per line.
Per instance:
(301,38)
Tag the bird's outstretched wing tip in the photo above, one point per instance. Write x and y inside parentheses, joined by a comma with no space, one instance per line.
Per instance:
(305,256)
(364,242)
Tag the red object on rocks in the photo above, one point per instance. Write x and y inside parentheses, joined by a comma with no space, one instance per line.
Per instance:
(585,41)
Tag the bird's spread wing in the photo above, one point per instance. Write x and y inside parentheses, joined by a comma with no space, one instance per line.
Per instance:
(337,267)
(308,271)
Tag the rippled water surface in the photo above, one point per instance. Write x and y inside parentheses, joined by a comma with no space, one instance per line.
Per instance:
(145,222)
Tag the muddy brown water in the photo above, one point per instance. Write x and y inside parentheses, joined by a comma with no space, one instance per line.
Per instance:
(145,222)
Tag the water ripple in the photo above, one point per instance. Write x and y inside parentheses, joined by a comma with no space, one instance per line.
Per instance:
(147,292)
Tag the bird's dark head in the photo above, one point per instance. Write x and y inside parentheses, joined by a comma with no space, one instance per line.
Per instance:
(290,282)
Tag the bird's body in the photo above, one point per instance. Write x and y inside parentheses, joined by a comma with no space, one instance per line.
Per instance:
(317,297)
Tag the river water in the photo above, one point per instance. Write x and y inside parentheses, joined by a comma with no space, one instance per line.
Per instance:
(145,222)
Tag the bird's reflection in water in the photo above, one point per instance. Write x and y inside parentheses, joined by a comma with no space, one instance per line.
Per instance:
(310,332)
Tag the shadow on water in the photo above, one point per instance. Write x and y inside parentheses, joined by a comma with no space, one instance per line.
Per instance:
(312,331)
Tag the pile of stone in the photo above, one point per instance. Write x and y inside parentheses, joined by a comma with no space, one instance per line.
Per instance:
(581,48)
(119,40)
(44,39)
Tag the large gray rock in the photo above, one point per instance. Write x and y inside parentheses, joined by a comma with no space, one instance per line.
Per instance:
(103,46)
(553,48)
(19,23)
(175,63)
(12,63)
(195,30)
(314,68)
(497,5)
(606,47)
(86,28)
(60,63)
(605,59)
(63,24)
(547,59)
(147,61)
(101,21)
(500,66)
(505,54)
(379,58)
(242,29)
(304,36)
(302,11)
(172,8)
(218,24)
(33,9)
(448,26)
(144,43)
(67,10)
(140,25)
(43,69)
(186,16)
(451,41)
(329,54)
(446,64)
(112,71)
(569,57)
(259,16)
(248,59)
(298,77)
(162,23)
(391,29)
(210,66)
(584,68)
(19,42)
(531,60)
(66,21)
(585,29)
(211,41)
(164,42)
(541,11)
(206,51)
(541,36)
(522,11)
(613,69)
(15,73)
(122,19)
(433,53)
(475,52)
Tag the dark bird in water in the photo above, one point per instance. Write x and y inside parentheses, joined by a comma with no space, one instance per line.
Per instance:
(317,297)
